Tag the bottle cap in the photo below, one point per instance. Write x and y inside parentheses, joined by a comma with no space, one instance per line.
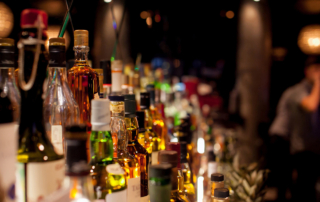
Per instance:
(175,146)
(57,41)
(211,156)
(130,105)
(81,38)
(106,66)
(116,98)
(100,115)
(217,177)
(6,42)
(29,18)
(150,89)
(145,100)
(221,192)
(7,52)
(184,152)
(57,52)
(141,119)
(170,157)
(160,171)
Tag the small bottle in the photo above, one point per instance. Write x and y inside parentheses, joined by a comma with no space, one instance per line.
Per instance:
(217,181)
(221,195)
(78,171)
(106,66)
(142,136)
(171,157)
(60,108)
(160,183)
(145,106)
(134,147)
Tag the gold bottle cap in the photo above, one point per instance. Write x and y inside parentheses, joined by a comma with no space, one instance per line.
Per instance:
(81,38)
(57,41)
(6,42)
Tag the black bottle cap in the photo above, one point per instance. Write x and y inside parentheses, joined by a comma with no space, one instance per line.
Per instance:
(217,177)
(150,89)
(141,118)
(221,192)
(57,56)
(7,56)
(76,152)
(183,152)
(161,171)
(130,105)
(145,100)
(106,66)
(211,156)
(116,98)
(170,157)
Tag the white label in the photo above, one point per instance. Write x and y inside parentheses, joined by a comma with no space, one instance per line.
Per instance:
(212,168)
(116,81)
(41,179)
(120,196)
(154,158)
(133,190)
(8,151)
(96,96)
(145,198)
(115,169)
(56,138)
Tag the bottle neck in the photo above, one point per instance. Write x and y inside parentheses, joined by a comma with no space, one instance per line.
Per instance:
(132,129)
(117,109)
(148,119)
(186,172)
(81,54)
(57,75)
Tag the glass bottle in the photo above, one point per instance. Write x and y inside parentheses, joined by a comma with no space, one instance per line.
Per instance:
(7,80)
(221,195)
(134,147)
(160,183)
(159,124)
(171,157)
(186,172)
(116,184)
(106,66)
(60,108)
(142,138)
(145,106)
(78,171)
(116,76)
(36,156)
(128,162)
(82,79)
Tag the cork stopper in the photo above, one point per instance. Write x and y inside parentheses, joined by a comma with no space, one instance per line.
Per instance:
(6,42)
(57,41)
(81,38)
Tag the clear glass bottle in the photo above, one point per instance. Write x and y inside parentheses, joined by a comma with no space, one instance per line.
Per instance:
(221,195)
(60,108)
(145,106)
(7,80)
(78,171)
(83,80)
(36,156)
(160,183)
(128,162)
(134,147)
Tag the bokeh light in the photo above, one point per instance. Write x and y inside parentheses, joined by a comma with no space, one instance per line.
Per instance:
(144,14)
(6,20)
(309,39)
(157,18)
(230,14)
(107,1)
(149,21)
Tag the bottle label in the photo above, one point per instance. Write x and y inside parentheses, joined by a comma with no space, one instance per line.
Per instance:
(115,169)
(116,81)
(145,198)
(120,196)
(212,168)
(37,180)
(133,192)
(8,151)
(56,138)
(154,158)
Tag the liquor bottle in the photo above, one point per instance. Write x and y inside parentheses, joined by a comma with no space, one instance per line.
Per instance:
(60,108)
(106,66)
(160,183)
(145,106)
(186,172)
(36,156)
(7,80)
(116,76)
(82,79)
(171,157)
(78,171)
(143,139)
(134,147)
(8,148)
(100,75)
(159,124)
(221,195)
(175,146)
(128,162)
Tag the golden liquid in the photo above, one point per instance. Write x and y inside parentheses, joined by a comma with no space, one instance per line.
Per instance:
(160,128)
(188,186)
(130,166)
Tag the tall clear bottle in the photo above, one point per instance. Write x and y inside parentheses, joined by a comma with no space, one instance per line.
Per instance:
(127,161)
(7,80)
(60,108)
(82,79)
(134,147)
(36,156)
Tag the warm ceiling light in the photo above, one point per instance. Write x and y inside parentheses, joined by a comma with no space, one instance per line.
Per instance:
(6,20)
(256,0)
(309,39)
(230,14)
(107,1)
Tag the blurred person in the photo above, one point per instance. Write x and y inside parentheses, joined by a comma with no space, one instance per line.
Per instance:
(298,121)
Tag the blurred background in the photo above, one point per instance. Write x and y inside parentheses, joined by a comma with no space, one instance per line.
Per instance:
(238,56)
